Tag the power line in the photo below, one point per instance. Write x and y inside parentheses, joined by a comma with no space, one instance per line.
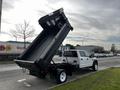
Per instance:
(79,37)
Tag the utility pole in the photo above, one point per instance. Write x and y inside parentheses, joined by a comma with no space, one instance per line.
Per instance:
(82,42)
(0,13)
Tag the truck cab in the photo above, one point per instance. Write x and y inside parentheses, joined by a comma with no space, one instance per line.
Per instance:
(80,58)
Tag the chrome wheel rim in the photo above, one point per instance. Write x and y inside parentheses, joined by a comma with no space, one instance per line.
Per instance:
(62,76)
(96,67)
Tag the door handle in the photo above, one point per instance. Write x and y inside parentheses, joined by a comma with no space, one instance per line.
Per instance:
(81,58)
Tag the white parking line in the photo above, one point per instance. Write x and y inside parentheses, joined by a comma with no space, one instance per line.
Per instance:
(21,80)
(24,82)
(27,84)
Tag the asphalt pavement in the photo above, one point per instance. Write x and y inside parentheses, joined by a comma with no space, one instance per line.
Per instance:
(12,77)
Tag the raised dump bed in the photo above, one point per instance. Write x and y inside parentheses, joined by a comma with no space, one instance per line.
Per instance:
(41,51)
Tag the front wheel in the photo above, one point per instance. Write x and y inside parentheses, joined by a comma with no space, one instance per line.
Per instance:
(61,76)
(95,66)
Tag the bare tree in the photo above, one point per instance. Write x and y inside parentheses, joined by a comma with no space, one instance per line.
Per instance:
(23,31)
(113,48)
(13,33)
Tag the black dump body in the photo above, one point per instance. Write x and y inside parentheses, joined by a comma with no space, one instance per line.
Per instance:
(41,51)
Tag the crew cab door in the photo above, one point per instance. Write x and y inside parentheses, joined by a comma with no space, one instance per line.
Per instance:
(84,60)
(71,57)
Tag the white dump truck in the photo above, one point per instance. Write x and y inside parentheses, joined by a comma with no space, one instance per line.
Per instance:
(38,57)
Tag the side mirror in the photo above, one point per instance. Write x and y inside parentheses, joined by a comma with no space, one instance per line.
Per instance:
(91,56)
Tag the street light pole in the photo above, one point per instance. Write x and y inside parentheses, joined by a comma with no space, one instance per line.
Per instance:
(0,13)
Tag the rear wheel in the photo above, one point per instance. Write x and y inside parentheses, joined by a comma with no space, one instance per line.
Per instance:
(61,76)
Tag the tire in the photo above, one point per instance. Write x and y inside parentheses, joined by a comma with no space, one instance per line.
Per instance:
(95,66)
(61,76)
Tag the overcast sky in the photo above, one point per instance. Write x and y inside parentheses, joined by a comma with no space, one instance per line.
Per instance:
(94,21)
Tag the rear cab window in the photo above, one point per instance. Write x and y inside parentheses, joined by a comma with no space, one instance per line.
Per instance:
(70,54)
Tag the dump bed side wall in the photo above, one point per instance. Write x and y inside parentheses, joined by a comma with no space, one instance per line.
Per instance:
(54,47)
(30,48)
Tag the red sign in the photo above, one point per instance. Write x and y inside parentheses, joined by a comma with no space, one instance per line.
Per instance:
(2,47)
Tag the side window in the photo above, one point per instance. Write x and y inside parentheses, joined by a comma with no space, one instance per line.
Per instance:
(74,54)
(70,54)
(83,54)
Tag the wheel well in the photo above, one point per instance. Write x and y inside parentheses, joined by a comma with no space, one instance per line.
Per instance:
(95,62)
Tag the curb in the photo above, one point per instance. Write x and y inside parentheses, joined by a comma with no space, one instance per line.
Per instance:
(78,77)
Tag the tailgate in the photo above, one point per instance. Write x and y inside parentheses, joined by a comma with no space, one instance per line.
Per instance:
(26,64)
